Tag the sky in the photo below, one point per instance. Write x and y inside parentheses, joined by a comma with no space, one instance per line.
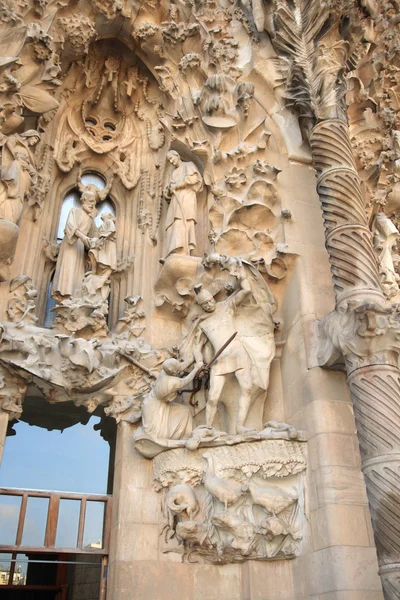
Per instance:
(75,460)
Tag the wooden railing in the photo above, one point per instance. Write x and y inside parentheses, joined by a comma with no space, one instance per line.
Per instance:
(52,522)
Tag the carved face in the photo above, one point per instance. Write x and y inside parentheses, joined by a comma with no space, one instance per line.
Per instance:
(33,140)
(208,304)
(88,202)
(174,159)
(171,366)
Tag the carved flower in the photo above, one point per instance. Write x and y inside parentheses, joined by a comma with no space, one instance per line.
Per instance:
(235,178)
(144,31)
(42,52)
(189,61)
(178,32)
(78,30)
(261,167)
(7,13)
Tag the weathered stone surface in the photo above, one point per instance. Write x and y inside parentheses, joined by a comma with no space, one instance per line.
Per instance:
(162,170)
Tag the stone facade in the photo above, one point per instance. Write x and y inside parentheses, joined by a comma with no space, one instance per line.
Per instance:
(199,212)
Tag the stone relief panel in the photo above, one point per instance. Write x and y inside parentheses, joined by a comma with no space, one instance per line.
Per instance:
(231,504)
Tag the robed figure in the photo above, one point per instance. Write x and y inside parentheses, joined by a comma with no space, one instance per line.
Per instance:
(181,193)
(247,315)
(80,235)
(17,172)
(79,230)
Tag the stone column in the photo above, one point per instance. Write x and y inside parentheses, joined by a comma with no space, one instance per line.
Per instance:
(375,391)
(354,265)
(362,329)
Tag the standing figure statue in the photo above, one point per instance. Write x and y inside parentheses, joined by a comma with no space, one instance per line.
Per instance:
(79,230)
(247,313)
(80,233)
(103,254)
(181,193)
(17,172)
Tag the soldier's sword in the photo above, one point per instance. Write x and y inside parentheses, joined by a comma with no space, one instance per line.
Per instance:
(218,354)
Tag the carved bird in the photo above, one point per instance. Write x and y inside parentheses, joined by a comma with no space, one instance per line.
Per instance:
(192,531)
(273,500)
(227,492)
(241,529)
(181,498)
(274,526)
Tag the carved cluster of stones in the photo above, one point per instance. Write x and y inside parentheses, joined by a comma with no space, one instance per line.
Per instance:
(167,106)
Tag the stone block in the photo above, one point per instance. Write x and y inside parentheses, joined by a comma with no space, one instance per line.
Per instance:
(317,384)
(324,300)
(344,568)
(369,527)
(151,581)
(339,525)
(141,505)
(3,431)
(293,365)
(340,485)
(268,581)
(212,582)
(348,595)
(135,542)
(298,300)
(319,268)
(333,449)
(323,416)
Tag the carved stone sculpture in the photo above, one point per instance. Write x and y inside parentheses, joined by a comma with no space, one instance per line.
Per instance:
(255,99)
(79,229)
(18,173)
(17,177)
(103,250)
(249,354)
(21,306)
(227,505)
(163,419)
(181,193)
(385,237)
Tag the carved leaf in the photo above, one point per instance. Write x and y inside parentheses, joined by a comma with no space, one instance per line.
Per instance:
(312,67)
(37,100)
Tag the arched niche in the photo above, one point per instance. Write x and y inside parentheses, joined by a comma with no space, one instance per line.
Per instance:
(72,200)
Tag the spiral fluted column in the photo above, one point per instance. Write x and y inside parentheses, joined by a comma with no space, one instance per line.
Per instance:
(376,391)
(348,239)
(364,330)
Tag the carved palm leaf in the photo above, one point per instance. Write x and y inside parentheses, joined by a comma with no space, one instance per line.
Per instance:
(311,65)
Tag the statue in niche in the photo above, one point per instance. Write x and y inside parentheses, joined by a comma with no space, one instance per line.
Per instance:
(81,234)
(181,193)
(18,172)
(385,236)
(164,420)
(103,254)
(248,313)
(79,230)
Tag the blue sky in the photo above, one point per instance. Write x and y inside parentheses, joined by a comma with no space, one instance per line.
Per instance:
(75,460)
